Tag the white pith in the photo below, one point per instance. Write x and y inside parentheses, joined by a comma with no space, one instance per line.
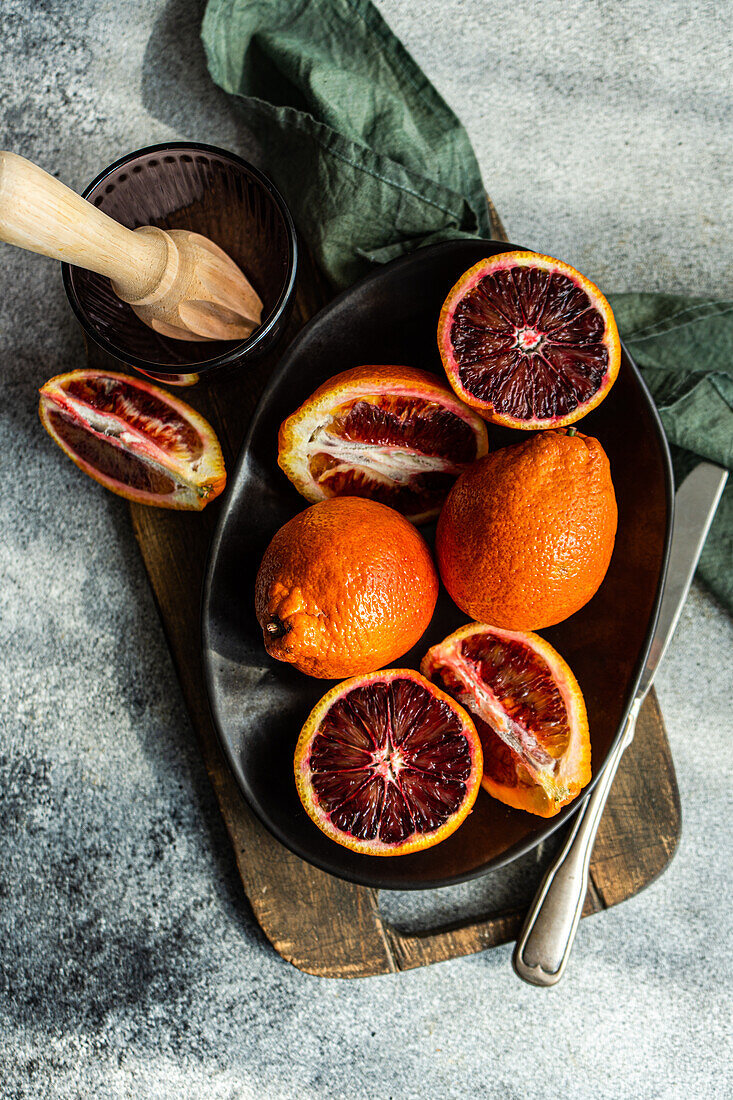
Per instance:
(527,339)
(186,493)
(393,465)
(384,465)
(387,762)
(98,425)
(189,476)
(481,701)
(116,430)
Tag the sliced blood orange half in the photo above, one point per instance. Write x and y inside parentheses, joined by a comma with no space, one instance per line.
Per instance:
(394,434)
(528,709)
(528,341)
(134,438)
(388,764)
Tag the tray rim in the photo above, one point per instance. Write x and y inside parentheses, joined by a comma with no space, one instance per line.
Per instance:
(566,815)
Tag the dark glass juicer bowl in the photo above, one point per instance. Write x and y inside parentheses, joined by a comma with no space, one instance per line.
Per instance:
(210,191)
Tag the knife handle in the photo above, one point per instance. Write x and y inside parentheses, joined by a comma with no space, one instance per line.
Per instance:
(544,945)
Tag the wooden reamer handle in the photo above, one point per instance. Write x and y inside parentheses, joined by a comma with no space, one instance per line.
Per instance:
(41,214)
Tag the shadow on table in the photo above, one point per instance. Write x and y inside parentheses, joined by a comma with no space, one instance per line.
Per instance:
(176,86)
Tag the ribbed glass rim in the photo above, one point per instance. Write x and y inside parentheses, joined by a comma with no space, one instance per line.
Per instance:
(238,351)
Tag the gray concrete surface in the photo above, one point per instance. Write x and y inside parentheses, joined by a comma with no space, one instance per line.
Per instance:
(130,965)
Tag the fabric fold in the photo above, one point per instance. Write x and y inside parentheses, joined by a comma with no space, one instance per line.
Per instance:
(370,158)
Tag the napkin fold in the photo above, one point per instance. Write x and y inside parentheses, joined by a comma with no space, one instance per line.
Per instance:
(373,164)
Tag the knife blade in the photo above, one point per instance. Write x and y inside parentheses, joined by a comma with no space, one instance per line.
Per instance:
(695,504)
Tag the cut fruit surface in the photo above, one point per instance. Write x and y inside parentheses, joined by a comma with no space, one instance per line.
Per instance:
(390,433)
(528,341)
(388,764)
(528,710)
(134,438)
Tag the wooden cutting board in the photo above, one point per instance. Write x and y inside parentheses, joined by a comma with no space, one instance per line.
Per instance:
(318,923)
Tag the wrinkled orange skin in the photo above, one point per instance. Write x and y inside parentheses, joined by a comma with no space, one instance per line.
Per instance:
(349,585)
(527,533)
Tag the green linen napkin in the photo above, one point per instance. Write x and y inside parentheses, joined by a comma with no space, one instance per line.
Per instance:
(684,348)
(373,164)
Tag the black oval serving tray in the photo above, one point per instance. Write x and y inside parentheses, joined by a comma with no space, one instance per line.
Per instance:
(259,704)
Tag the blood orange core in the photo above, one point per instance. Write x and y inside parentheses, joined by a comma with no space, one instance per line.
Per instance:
(529,342)
(528,338)
(512,696)
(389,760)
(399,450)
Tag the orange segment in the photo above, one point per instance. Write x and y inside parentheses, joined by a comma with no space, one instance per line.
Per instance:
(528,341)
(391,433)
(133,438)
(528,709)
(388,764)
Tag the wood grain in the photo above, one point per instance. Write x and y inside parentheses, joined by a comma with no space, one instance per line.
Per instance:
(318,923)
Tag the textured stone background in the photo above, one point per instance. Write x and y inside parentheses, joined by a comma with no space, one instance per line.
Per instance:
(130,965)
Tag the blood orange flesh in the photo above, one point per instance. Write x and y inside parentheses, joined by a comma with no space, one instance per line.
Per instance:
(391,433)
(388,764)
(528,341)
(134,438)
(528,710)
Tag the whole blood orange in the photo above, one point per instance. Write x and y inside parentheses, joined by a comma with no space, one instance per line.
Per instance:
(393,434)
(134,438)
(526,534)
(528,341)
(528,710)
(345,587)
(388,764)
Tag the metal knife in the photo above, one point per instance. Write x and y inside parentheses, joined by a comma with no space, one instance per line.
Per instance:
(544,945)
